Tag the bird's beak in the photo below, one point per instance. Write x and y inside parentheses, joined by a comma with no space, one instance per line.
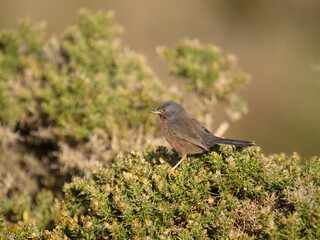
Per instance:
(155,111)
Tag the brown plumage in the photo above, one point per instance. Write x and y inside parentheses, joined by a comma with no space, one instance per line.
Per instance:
(185,134)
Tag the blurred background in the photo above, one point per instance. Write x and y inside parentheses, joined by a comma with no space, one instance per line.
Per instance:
(277,42)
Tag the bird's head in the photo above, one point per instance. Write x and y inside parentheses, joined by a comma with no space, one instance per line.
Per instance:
(168,110)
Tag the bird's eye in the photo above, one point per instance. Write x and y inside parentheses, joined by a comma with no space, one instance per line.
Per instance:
(164,110)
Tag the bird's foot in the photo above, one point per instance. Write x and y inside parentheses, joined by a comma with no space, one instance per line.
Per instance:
(172,173)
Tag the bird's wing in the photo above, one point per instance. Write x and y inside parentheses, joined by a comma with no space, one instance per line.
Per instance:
(205,134)
(185,130)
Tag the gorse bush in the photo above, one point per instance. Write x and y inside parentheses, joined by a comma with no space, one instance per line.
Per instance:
(21,67)
(20,171)
(229,193)
(83,81)
(26,231)
(43,211)
(98,85)
(77,94)
(208,72)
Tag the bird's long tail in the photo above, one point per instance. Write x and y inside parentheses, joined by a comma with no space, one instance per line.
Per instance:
(239,143)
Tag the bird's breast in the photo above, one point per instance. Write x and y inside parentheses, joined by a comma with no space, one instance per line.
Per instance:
(170,139)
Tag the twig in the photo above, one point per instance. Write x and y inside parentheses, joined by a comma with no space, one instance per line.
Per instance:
(231,118)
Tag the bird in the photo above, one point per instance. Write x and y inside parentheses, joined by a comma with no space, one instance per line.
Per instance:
(186,135)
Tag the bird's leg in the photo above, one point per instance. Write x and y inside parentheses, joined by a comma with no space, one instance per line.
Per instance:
(175,166)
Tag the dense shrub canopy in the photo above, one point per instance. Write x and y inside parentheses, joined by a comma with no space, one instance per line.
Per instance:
(229,193)
(83,80)
(68,101)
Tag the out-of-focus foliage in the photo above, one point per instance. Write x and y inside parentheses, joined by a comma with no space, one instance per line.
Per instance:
(205,70)
(20,169)
(97,84)
(228,193)
(21,70)
(81,94)
(23,231)
(43,212)
(83,81)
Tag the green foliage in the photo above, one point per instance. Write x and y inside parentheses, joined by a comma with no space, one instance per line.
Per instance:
(206,71)
(43,212)
(21,62)
(22,231)
(99,85)
(224,194)
(84,81)
(59,94)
